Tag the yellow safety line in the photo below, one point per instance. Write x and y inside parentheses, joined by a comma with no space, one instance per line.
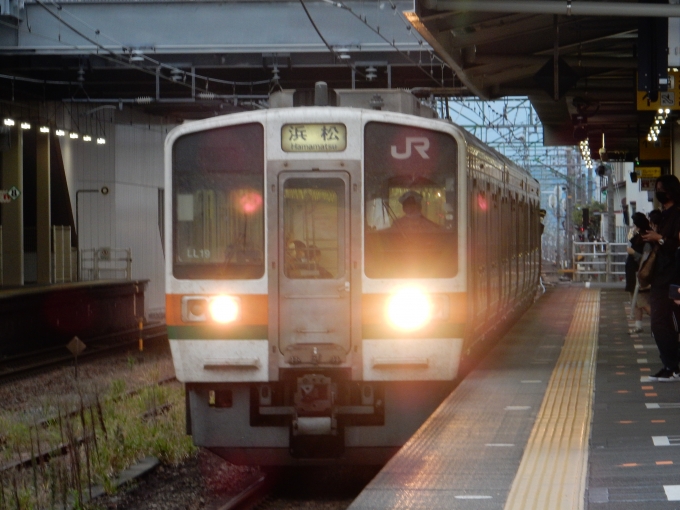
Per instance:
(552,474)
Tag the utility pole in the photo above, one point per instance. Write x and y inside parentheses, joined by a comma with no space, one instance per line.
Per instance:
(571,189)
(611,217)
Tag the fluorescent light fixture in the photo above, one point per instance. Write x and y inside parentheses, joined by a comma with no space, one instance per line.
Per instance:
(343,53)
(44,129)
(25,125)
(136,56)
(60,132)
(101,140)
(87,138)
(9,122)
(73,135)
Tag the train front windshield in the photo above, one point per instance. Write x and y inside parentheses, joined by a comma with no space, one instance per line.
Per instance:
(218,183)
(410,210)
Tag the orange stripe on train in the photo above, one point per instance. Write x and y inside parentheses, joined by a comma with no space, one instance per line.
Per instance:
(255,309)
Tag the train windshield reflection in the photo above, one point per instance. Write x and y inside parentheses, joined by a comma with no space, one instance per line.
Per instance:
(410,214)
(218,179)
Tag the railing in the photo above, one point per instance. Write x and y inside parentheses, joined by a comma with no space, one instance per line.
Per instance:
(599,261)
(105,264)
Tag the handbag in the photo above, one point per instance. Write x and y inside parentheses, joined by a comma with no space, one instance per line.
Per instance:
(646,270)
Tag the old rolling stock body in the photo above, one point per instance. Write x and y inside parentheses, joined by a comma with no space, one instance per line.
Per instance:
(328,268)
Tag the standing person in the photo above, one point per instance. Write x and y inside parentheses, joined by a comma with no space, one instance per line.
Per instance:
(632,265)
(665,241)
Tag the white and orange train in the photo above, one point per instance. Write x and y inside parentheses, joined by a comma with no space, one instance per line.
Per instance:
(330,268)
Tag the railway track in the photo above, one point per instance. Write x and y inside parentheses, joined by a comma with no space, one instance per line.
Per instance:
(251,497)
(313,489)
(62,449)
(13,368)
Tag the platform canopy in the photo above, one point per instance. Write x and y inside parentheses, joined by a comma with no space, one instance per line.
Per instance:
(201,58)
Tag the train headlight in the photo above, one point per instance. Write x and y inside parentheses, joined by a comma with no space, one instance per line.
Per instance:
(221,309)
(224,309)
(409,309)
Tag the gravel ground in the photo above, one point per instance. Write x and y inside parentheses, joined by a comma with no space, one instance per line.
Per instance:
(203,482)
(208,482)
(135,369)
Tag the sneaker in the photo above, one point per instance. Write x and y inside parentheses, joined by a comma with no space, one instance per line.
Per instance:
(665,375)
(632,331)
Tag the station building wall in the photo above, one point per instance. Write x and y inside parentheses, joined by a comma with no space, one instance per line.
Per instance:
(130,164)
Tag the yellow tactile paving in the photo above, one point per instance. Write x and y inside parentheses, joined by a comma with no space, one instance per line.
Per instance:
(552,473)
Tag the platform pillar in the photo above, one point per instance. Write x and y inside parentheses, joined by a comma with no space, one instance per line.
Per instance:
(44,216)
(13,212)
(675,149)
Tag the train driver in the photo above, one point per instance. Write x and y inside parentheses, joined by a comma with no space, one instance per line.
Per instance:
(413,220)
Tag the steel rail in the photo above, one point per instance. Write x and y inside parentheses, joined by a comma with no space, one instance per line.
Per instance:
(250,497)
(115,342)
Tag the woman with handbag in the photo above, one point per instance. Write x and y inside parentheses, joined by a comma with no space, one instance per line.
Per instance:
(635,251)
(664,244)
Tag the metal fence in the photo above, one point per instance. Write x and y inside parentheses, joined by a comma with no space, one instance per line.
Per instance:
(599,261)
(105,264)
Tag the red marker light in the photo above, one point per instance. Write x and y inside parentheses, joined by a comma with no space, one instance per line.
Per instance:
(481,202)
(251,202)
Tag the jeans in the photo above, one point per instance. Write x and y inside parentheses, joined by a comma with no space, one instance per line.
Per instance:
(664,326)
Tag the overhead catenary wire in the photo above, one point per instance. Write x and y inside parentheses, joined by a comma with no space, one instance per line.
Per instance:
(330,48)
(114,57)
(391,43)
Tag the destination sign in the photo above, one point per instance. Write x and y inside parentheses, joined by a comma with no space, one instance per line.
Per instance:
(313,137)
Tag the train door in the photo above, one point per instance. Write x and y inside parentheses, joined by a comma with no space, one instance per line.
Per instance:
(314,272)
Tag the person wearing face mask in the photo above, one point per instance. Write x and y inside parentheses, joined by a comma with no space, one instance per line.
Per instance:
(665,239)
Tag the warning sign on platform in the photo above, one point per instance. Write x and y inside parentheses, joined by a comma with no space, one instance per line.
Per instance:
(649,172)
(666,100)
(655,151)
(9,195)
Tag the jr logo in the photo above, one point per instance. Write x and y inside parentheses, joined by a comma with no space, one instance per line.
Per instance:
(420,144)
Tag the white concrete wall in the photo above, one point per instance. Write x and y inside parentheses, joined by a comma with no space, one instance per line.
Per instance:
(130,164)
(139,176)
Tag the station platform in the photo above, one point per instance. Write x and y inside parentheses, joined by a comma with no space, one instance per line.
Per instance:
(42,316)
(560,414)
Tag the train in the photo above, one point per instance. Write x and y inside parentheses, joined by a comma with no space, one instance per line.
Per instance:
(331,270)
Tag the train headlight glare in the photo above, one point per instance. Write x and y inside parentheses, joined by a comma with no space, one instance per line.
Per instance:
(409,309)
(224,309)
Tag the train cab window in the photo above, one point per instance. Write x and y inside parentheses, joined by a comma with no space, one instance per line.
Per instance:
(314,230)
(218,210)
(411,205)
